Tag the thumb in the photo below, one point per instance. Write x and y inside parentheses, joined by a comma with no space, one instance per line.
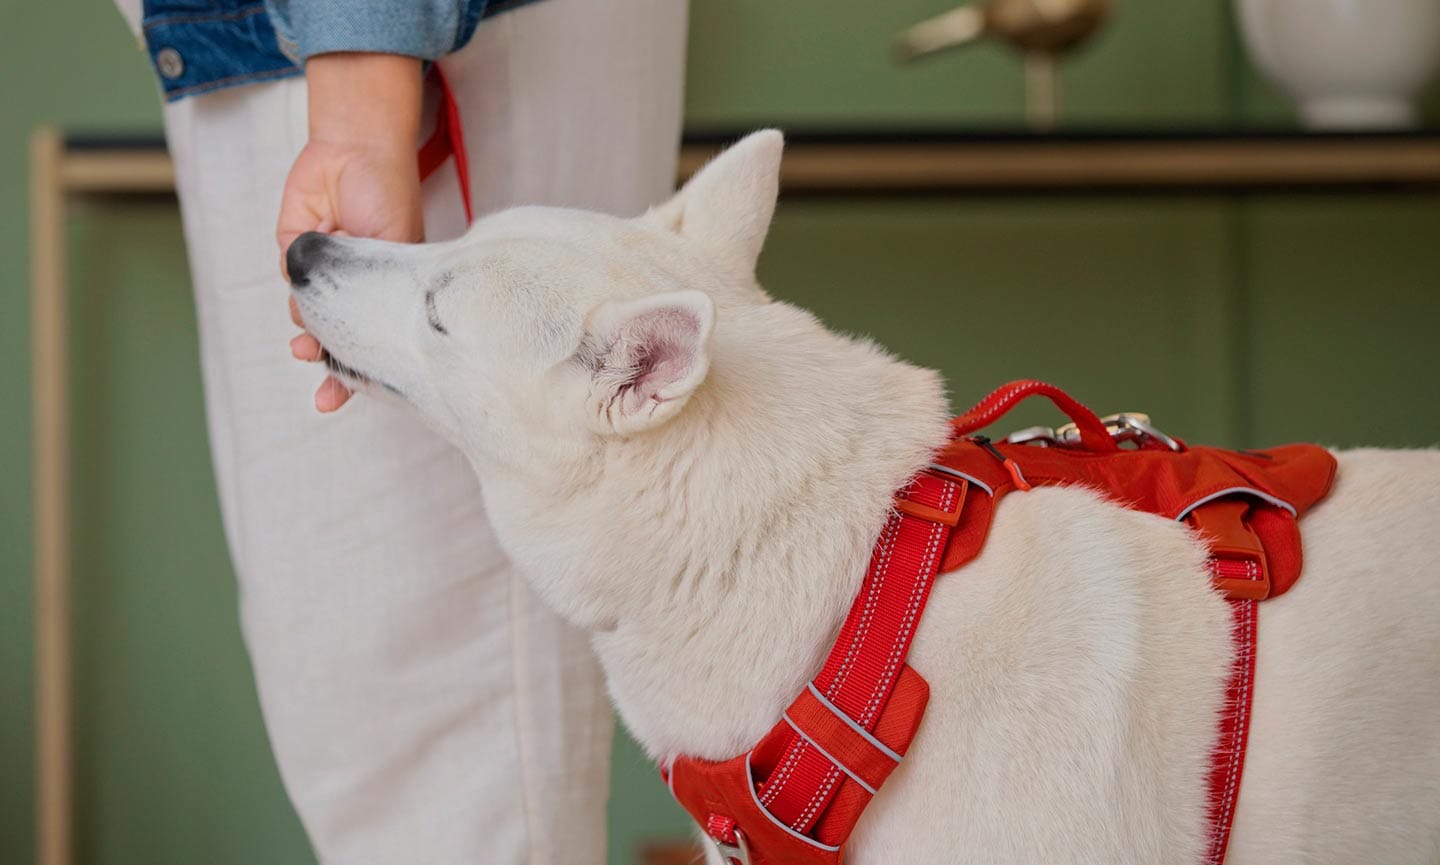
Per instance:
(297,216)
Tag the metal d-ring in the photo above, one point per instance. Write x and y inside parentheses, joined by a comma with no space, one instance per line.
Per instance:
(733,854)
(1040,435)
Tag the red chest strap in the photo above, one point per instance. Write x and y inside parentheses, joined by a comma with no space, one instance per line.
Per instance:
(795,797)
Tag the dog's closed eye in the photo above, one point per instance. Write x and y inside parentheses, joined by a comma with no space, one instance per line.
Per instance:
(432,315)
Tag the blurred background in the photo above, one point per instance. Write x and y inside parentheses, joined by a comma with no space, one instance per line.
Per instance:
(1242,314)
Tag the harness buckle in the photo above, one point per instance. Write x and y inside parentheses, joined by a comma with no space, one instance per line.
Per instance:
(1238,565)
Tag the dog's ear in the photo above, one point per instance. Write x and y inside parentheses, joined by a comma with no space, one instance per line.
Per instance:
(726,207)
(645,358)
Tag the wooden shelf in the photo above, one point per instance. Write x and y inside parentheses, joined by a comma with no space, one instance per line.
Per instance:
(975,163)
(1038,164)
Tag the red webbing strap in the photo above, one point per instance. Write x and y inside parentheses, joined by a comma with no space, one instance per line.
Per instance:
(864,758)
(1093,435)
(446,141)
(1228,761)
(859,674)
(1238,568)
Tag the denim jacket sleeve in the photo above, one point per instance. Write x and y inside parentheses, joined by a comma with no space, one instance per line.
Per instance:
(197,46)
(428,29)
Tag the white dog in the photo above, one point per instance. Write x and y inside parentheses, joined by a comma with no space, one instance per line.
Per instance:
(697,473)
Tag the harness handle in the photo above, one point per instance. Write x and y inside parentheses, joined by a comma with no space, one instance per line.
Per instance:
(1093,435)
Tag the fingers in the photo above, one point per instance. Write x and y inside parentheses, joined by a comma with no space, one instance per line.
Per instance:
(331,395)
(305,347)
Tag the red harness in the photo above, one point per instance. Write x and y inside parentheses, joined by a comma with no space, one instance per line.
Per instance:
(795,797)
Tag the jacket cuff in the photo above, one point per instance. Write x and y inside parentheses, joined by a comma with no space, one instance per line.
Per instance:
(427,29)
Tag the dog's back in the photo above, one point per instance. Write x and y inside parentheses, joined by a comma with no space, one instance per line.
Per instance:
(1344,761)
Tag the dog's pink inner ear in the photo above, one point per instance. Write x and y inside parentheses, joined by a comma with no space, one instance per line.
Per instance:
(657,349)
(666,351)
(651,356)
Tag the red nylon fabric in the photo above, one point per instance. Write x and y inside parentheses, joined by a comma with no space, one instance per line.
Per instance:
(794,805)
(1163,482)
(877,636)
(896,728)
(1092,431)
(844,745)
(446,141)
(1227,762)
(720,794)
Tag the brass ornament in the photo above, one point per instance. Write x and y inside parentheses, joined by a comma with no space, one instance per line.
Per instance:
(1041,30)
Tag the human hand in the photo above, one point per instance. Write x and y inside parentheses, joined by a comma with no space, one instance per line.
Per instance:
(357,175)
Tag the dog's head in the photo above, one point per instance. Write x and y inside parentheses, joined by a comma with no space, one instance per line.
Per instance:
(542,329)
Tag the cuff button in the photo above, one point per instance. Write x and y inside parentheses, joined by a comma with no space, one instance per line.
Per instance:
(170,63)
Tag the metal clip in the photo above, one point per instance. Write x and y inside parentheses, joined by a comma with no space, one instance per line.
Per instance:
(1040,435)
(1135,426)
(1127,426)
(733,854)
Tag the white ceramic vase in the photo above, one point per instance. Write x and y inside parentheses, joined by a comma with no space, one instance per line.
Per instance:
(1349,64)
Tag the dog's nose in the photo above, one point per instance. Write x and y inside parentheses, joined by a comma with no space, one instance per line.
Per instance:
(305,252)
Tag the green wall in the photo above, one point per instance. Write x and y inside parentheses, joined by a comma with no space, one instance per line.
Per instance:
(1240,320)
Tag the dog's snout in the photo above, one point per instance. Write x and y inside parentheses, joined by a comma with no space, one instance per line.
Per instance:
(305,253)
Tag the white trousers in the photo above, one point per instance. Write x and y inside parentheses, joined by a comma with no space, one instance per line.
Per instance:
(423,707)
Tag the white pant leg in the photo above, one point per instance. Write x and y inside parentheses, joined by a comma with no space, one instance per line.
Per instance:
(422,706)
(572,103)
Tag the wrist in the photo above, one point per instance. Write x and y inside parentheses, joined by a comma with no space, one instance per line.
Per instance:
(364,100)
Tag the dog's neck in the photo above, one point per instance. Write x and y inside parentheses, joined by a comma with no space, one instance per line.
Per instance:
(716,557)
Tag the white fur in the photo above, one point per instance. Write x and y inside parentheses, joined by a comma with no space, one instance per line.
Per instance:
(709,517)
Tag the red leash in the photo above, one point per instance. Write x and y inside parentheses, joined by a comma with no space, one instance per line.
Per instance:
(448,140)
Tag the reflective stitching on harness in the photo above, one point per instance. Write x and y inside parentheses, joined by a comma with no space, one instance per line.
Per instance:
(912,613)
(882,570)
(813,806)
(1244,648)
(995,400)
(1230,491)
(932,549)
(964,477)
(750,785)
(882,565)
(835,710)
(827,755)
